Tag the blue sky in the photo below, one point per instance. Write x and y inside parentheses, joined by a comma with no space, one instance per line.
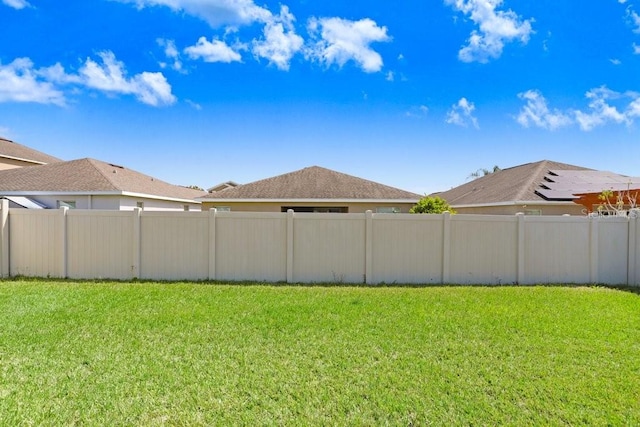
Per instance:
(413,94)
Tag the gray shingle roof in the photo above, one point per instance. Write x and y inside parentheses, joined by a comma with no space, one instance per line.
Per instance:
(89,176)
(14,150)
(516,184)
(313,183)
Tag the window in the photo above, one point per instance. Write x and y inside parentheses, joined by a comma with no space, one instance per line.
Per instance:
(185,208)
(387,209)
(71,204)
(222,208)
(533,212)
(140,205)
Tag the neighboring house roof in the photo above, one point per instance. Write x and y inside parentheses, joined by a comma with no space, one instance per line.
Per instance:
(511,185)
(222,186)
(570,183)
(15,151)
(89,176)
(312,183)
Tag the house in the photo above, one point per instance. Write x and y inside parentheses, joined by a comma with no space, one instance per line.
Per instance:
(14,155)
(539,188)
(312,189)
(597,190)
(93,184)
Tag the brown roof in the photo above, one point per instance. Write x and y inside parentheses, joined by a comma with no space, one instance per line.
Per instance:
(313,183)
(14,150)
(517,184)
(89,176)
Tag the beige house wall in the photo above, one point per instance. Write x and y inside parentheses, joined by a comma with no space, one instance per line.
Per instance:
(277,206)
(573,210)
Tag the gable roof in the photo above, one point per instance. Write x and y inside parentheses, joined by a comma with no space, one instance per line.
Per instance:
(516,184)
(89,176)
(313,183)
(15,151)
(222,186)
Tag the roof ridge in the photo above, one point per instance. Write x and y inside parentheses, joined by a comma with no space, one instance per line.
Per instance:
(534,177)
(93,162)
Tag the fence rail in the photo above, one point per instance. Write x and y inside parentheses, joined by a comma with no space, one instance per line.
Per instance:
(311,247)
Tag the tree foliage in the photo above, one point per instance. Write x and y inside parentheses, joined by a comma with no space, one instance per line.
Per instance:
(432,205)
(483,172)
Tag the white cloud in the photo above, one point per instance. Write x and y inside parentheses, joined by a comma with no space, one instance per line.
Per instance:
(390,76)
(601,111)
(615,61)
(417,112)
(633,110)
(537,113)
(16,4)
(20,82)
(280,40)
(215,12)
(194,105)
(342,40)
(605,106)
(111,76)
(634,20)
(212,51)
(636,49)
(461,114)
(495,28)
(171,52)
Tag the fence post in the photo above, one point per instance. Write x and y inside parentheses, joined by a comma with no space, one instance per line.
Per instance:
(368,247)
(632,268)
(4,237)
(212,243)
(593,249)
(63,241)
(137,246)
(446,247)
(290,245)
(521,277)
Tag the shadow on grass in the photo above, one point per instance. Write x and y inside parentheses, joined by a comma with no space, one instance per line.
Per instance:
(624,288)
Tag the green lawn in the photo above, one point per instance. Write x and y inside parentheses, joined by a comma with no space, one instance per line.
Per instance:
(200,354)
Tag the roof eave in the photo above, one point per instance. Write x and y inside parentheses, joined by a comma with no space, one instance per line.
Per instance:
(220,200)
(20,159)
(152,196)
(97,193)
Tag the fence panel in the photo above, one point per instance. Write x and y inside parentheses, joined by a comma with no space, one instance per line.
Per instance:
(174,245)
(36,244)
(99,244)
(484,249)
(634,249)
(557,250)
(329,247)
(407,248)
(251,246)
(613,243)
(305,247)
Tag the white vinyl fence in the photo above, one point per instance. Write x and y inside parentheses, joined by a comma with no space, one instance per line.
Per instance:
(313,247)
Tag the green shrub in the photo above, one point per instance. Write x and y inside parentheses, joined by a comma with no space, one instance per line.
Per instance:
(432,205)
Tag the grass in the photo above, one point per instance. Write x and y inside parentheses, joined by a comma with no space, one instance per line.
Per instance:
(204,354)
